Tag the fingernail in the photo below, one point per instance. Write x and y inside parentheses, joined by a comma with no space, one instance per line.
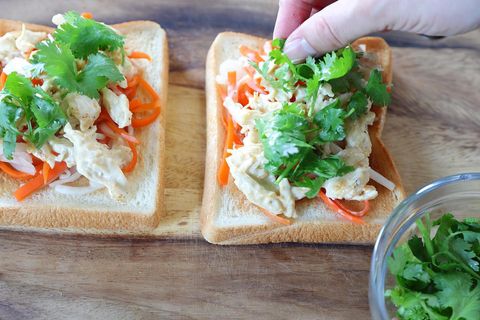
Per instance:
(298,49)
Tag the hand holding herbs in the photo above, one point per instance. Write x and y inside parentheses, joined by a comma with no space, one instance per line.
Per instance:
(438,277)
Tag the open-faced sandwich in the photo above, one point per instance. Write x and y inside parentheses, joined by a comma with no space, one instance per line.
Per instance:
(82,123)
(294,150)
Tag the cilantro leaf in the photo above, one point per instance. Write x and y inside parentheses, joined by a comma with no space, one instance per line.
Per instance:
(289,152)
(413,305)
(348,83)
(418,249)
(312,80)
(48,116)
(416,272)
(463,251)
(314,184)
(357,106)
(337,64)
(97,73)
(19,87)
(455,292)
(398,260)
(87,36)
(60,65)
(377,90)
(21,101)
(9,117)
(323,169)
(331,123)
(278,43)
(280,81)
(283,138)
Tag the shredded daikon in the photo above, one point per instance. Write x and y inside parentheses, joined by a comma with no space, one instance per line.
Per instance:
(74,177)
(374,175)
(107,131)
(78,190)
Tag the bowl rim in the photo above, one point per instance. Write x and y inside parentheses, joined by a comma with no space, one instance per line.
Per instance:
(383,247)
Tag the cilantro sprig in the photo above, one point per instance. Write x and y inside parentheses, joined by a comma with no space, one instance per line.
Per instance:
(29,112)
(60,64)
(292,137)
(86,36)
(438,276)
(289,138)
(80,42)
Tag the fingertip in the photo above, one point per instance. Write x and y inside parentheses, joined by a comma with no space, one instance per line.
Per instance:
(298,49)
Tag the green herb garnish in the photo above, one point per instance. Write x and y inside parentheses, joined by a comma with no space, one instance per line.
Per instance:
(60,64)
(293,136)
(438,275)
(27,111)
(86,36)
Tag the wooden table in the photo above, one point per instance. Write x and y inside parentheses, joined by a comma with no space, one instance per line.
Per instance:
(433,129)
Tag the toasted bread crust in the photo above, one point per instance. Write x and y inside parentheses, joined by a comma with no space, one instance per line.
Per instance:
(227,217)
(80,218)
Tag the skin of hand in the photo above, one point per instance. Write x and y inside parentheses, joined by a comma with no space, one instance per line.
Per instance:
(312,27)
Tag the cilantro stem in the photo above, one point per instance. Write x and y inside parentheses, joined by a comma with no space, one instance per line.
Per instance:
(285,172)
(425,231)
(465,267)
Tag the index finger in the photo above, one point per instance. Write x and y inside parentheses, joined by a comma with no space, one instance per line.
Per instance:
(292,13)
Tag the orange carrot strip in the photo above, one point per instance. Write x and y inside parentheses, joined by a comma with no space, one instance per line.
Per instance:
(231,84)
(131,165)
(38,183)
(250,53)
(139,55)
(249,70)
(87,15)
(361,213)
(222,91)
(145,85)
(130,92)
(238,136)
(113,126)
(332,205)
(256,86)
(133,82)
(145,107)
(5,167)
(3,79)
(145,121)
(45,171)
(134,104)
(224,170)
(276,218)
(242,93)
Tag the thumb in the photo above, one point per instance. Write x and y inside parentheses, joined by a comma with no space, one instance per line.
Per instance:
(334,27)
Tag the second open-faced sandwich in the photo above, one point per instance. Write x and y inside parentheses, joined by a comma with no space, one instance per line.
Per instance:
(293,149)
(82,123)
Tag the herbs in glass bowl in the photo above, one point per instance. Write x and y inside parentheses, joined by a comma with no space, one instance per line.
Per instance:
(438,274)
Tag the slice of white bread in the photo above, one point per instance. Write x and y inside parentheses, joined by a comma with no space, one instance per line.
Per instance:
(144,203)
(227,217)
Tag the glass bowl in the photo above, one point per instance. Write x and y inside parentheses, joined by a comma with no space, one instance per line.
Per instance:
(457,194)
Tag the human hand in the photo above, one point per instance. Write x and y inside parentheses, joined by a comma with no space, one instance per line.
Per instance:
(317,26)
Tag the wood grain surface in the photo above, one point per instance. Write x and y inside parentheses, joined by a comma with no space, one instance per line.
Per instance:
(432,130)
